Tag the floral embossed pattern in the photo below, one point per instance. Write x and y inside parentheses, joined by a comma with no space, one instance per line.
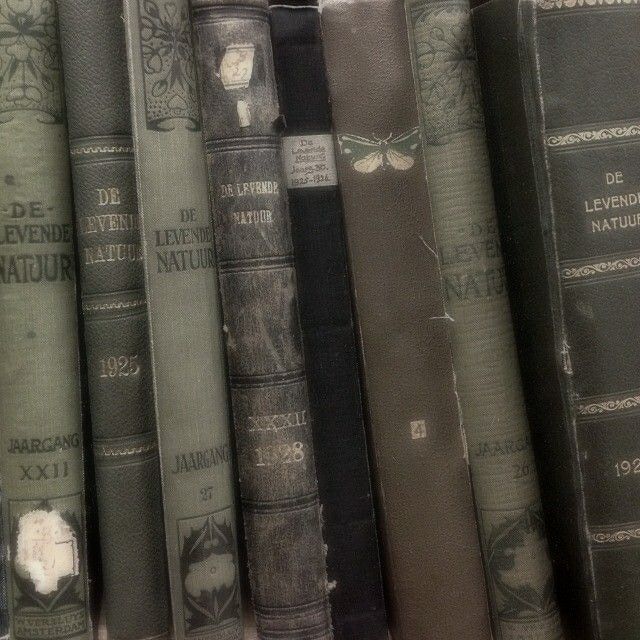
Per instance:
(523,586)
(169,69)
(447,69)
(208,565)
(29,60)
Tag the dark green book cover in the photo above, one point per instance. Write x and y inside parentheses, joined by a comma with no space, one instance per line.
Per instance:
(135,600)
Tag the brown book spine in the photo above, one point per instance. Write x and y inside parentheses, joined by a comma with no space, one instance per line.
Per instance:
(433,560)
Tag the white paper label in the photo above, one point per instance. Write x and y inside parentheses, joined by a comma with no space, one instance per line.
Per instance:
(47,550)
(236,67)
(309,161)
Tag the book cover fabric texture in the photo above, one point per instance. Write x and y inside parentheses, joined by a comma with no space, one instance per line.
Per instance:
(41,442)
(560,82)
(282,517)
(353,562)
(435,582)
(503,470)
(4,613)
(125,449)
(187,350)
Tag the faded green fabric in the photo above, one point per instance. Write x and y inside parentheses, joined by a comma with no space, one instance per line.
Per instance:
(41,470)
(185,322)
(503,471)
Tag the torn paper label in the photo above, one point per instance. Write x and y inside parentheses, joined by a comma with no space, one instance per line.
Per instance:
(236,67)
(46,550)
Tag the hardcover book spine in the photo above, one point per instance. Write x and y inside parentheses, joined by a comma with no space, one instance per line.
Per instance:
(353,562)
(257,278)
(426,511)
(578,95)
(41,436)
(4,613)
(187,350)
(125,448)
(503,470)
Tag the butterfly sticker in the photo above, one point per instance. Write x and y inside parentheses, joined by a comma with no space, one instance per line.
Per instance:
(367,156)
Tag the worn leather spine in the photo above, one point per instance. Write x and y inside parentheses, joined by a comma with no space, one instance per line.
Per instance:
(353,562)
(566,192)
(435,583)
(187,351)
(125,446)
(265,356)
(41,449)
(503,470)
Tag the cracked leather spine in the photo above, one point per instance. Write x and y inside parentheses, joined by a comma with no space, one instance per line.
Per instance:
(187,350)
(560,82)
(264,347)
(41,440)
(344,483)
(124,438)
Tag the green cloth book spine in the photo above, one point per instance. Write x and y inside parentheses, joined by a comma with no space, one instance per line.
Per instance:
(187,349)
(503,471)
(41,447)
(135,594)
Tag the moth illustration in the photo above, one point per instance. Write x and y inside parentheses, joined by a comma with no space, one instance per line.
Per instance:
(367,156)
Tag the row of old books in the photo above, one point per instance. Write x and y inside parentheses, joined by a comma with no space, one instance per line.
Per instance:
(198,198)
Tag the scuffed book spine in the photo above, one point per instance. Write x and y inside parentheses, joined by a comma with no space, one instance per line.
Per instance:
(187,350)
(568,206)
(503,469)
(125,448)
(41,459)
(427,521)
(353,561)
(257,279)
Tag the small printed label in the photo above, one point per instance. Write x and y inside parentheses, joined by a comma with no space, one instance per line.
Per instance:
(309,161)
(418,429)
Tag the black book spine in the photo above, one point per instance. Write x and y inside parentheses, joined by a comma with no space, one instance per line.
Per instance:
(259,299)
(125,445)
(353,562)
(560,81)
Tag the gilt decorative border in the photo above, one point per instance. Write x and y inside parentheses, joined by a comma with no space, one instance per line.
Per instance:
(594,135)
(83,151)
(616,535)
(110,306)
(610,405)
(578,4)
(602,267)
